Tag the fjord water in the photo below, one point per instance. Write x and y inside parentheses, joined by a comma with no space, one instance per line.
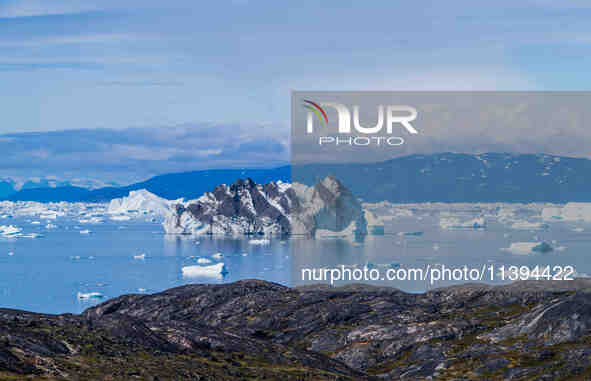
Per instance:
(46,274)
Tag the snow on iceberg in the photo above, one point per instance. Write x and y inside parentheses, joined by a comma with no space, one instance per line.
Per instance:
(214,271)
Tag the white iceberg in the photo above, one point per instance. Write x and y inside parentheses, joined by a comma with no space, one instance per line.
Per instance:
(213,271)
(140,201)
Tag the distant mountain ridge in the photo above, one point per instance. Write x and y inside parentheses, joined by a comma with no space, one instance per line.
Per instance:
(170,186)
(442,177)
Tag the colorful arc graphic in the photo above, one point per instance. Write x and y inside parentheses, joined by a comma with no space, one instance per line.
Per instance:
(316,109)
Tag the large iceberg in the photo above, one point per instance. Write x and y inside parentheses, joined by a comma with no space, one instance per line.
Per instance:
(140,201)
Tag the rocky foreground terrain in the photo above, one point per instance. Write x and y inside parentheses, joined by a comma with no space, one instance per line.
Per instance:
(255,330)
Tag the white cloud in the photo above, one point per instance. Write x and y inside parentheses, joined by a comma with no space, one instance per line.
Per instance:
(32,8)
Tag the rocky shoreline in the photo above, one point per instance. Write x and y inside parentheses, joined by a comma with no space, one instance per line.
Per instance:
(256,330)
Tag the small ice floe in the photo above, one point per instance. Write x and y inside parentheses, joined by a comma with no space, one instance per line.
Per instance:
(436,247)
(10,254)
(262,241)
(50,226)
(91,220)
(203,261)
(9,230)
(90,295)
(453,223)
(31,235)
(85,231)
(35,222)
(141,256)
(197,242)
(75,257)
(244,254)
(120,218)
(525,248)
(217,256)
(578,230)
(213,271)
(526,225)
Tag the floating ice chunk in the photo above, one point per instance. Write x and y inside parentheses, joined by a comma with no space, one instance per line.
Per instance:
(543,248)
(578,230)
(525,248)
(436,247)
(217,256)
(526,225)
(259,241)
(141,256)
(573,211)
(90,295)
(36,223)
(50,226)
(10,254)
(453,223)
(203,261)
(9,230)
(214,271)
(92,220)
(31,235)
(120,218)
(85,231)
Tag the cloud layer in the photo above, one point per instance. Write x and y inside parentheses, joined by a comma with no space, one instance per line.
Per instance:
(137,153)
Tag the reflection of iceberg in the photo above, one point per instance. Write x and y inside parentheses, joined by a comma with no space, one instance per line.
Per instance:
(213,271)
(453,223)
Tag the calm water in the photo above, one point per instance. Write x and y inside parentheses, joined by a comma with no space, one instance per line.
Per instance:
(45,274)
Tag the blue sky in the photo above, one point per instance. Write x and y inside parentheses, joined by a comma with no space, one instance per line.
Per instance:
(73,65)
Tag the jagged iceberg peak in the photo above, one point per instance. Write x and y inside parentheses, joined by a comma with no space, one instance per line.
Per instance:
(246,207)
(243,207)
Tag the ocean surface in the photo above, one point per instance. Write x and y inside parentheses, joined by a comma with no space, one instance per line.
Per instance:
(58,264)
